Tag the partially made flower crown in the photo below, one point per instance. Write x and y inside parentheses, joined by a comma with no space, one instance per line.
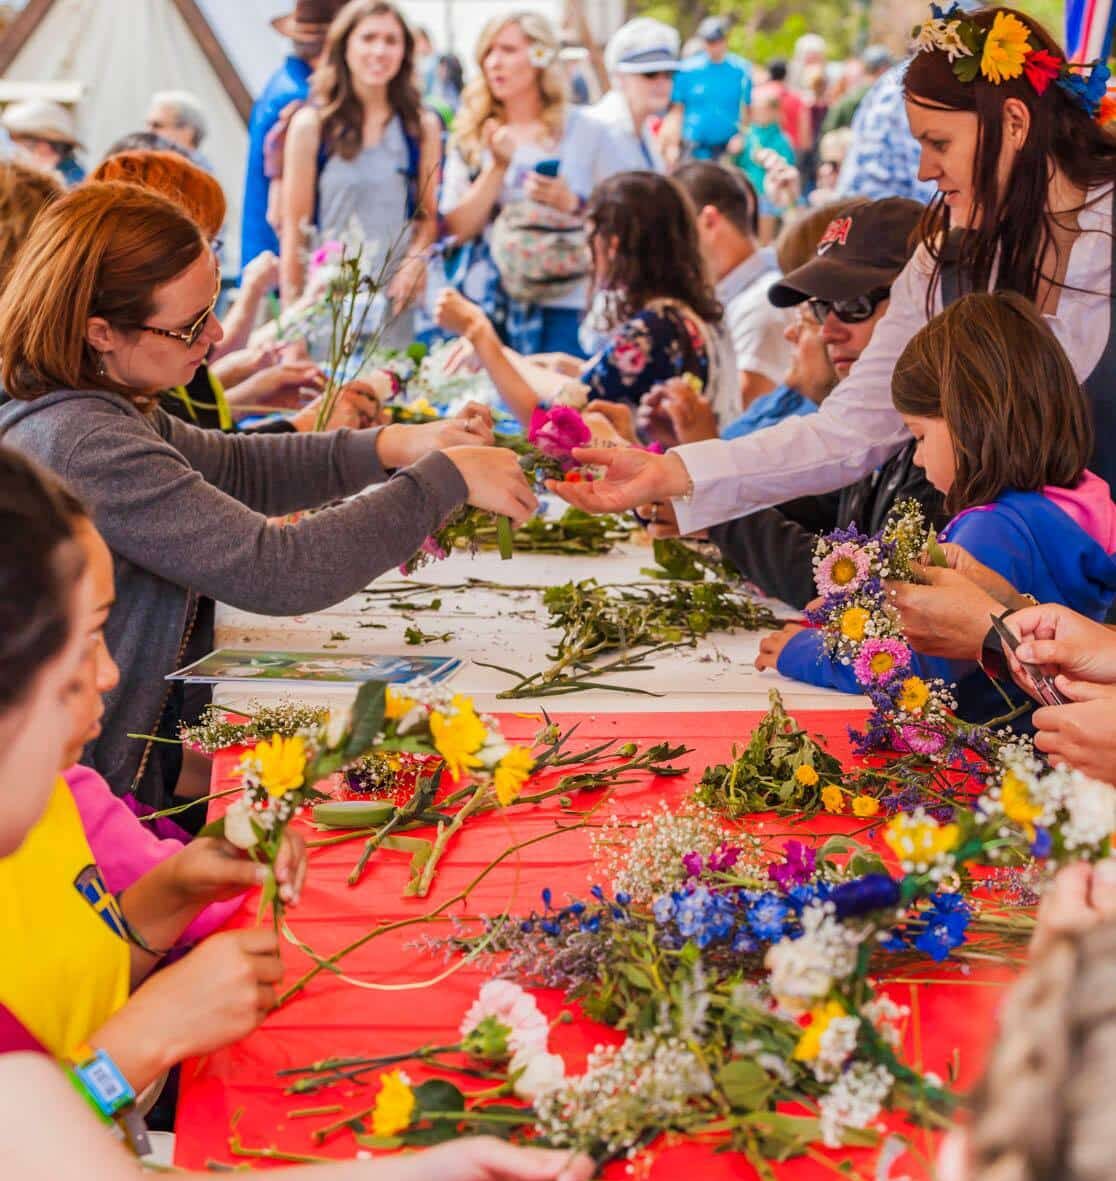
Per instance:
(1006,50)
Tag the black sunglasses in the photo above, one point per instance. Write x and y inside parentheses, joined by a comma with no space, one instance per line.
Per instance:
(849,311)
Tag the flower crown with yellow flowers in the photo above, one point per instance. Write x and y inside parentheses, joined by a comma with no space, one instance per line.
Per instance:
(1006,50)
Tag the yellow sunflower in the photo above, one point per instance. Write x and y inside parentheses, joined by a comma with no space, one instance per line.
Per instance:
(1005,48)
(281,763)
(511,773)
(853,623)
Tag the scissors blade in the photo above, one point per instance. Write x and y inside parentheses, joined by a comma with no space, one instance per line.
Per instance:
(1048,694)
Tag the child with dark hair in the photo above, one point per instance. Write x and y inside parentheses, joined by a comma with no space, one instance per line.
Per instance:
(1002,429)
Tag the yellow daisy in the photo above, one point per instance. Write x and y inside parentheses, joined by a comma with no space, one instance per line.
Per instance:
(397,706)
(806,775)
(458,736)
(853,623)
(395,1105)
(913,695)
(1015,798)
(281,763)
(1005,48)
(833,798)
(511,773)
(865,806)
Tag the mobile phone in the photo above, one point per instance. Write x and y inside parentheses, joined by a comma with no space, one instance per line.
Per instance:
(548,167)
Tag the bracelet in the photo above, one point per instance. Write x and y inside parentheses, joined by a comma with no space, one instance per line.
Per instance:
(102,1084)
(133,936)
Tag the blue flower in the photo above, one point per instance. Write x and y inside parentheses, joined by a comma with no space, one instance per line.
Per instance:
(591,924)
(576,908)
(803,896)
(1043,843)
(663,908)
(945,924)
(546,896)
(623,899)
(873,891)
(1087,92)
(550,926)
(945,14)
(767,917)
(597,893)
(743,943)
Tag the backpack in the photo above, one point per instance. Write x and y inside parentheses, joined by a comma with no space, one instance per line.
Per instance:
(540,252)
(275,144)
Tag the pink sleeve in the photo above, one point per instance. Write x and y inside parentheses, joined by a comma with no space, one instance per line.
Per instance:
(126,849)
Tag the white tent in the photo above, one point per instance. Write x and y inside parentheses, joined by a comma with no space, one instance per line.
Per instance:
(121,52)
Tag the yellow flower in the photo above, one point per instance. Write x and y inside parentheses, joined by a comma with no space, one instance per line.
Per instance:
(1015,799)
(919,839)
(281,763)
(806,775)
(422,406)
(833,798)
(865,806)
(821,1016)
(1005,48)
(395,1105)
(844,570)
(853,623)
(881,663)
(913,695)
(397,706)
(511,773)
(458,736)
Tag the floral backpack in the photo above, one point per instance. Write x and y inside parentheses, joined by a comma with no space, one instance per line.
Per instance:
(540,252)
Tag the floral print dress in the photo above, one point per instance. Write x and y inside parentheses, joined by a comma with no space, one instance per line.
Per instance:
(653,346)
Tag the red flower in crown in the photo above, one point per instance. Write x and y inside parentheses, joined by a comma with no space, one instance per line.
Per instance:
(1041,68)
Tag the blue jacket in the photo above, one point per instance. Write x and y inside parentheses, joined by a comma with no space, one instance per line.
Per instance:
(1037,547)
(290,82)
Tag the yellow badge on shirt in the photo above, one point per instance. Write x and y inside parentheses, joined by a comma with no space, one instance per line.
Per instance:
(66,960)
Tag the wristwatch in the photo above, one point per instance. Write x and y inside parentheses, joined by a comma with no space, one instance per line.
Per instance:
(103,1086)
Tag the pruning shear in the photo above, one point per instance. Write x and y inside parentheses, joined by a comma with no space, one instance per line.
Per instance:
(1044,685)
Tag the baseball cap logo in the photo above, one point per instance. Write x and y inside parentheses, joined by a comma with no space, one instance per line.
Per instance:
(836,233)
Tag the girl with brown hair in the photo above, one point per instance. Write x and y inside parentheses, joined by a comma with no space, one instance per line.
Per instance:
(364,155)
(1009,135)
(1003,432)
(110,302)
(666,320)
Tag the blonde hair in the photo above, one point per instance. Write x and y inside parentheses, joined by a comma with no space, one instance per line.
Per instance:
(1044,1107)
(478,104)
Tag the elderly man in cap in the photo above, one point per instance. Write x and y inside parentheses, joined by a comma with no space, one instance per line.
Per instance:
(44,132)
(641,59)
(306,29)
(710,90)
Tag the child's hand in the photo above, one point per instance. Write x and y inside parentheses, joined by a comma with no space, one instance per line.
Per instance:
(1081,896)
(772,645)
(454,313)
(211,869)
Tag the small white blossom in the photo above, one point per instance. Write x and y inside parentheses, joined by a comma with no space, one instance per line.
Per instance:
(853,1101)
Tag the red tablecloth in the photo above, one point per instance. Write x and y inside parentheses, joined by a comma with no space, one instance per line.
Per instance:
(951,1022)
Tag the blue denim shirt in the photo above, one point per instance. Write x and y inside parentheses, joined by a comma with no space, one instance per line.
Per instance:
(782,402)
(290,82)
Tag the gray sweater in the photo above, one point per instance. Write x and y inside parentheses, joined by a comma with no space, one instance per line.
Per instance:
(185,513)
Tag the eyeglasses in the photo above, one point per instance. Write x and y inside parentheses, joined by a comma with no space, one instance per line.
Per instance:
(190,337)
(657,75)
(849,311)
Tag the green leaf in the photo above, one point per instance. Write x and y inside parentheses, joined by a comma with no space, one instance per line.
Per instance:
(504,539)
(837,845)
(367,1140)
(437,1132)
(436,1094)
(935,552)
(634,974)
(368,719)
(215,828)
(746,1085)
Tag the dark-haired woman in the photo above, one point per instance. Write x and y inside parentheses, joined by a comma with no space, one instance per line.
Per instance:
(363,155)
(111,301)
(666,321)
(1025,172)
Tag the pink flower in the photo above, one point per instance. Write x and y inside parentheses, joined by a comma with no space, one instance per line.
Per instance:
(326,253)
(512,1007)
(881,660)
(842,570)
(557,431)
(796,868)
(693,865)
(922,741)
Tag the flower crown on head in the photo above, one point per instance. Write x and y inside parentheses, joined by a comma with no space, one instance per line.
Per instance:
(1006,50)
(541,56)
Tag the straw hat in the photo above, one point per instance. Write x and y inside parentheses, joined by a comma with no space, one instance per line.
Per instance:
(42,118)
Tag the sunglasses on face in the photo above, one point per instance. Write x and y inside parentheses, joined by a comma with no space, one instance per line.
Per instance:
(656,75)
(849,311)
(189,337)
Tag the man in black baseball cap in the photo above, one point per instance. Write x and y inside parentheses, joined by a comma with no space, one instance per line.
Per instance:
(848,281)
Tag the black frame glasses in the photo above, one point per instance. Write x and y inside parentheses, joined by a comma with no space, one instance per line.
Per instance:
(190,337)
(849,311)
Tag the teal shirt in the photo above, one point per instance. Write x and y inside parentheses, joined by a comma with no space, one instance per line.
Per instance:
(712,94)
(769,136)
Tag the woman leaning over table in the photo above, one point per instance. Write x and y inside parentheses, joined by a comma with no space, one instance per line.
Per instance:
(110,301)
(1025,203)
(514,118)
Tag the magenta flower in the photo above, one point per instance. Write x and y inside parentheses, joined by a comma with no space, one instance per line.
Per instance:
(693,865)
(922,741)
(326,253)
(796,868)
(556,432)
(723,858)
(842,570)
(880,660)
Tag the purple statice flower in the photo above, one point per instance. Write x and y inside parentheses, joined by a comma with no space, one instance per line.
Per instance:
(796,868)
(693,865)
(874,737)
(880,661)
(557,431)
(842,570)
(723,858)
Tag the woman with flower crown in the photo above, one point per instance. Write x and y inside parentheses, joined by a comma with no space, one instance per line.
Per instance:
(1012,135)
(519,144)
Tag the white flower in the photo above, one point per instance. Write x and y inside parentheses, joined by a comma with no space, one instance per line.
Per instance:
(540,56)
(853,1101)
(941,35)
(803,970)
(513,1007)
(339,724)
(835,1048)
(412,718)
(540,1072)
(493,751)
(238,826)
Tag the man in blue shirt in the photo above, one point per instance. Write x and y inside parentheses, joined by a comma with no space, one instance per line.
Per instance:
(306,28)
(709,91)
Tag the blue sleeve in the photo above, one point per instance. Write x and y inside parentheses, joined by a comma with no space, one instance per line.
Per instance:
(746,87)
(681,91)
(647,349)
(804,658)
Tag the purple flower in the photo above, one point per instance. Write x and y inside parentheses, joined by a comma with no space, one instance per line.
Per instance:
(693,865)
(556,432)
(796,868)
(723,859)
(922,740)
(873,891)
(881,660)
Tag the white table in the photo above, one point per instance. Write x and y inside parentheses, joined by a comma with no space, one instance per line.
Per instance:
(509,628)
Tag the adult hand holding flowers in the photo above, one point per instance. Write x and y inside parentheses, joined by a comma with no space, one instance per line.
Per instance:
(1081,735)
(401,444)
(1065,644)
(357,406)
(631,477)
(948,614)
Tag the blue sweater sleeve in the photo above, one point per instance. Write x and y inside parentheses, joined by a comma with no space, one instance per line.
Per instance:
(804,658)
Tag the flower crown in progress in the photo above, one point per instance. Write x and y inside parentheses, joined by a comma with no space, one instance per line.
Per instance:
(1007,50)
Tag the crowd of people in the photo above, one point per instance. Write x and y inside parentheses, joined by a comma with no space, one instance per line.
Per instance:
(793,296)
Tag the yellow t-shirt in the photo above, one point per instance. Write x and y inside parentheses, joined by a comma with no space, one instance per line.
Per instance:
(66,960)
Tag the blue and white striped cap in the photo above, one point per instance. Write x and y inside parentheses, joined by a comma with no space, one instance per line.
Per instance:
(643,46)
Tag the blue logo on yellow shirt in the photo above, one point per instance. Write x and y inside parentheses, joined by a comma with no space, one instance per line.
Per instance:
(91,886)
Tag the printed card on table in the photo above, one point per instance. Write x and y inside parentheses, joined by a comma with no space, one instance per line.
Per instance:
(336,668)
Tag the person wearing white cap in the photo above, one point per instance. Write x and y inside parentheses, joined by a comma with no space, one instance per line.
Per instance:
(44,131)
(641,59)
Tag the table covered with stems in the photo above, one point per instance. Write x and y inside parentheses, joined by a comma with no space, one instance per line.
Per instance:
(390,987)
